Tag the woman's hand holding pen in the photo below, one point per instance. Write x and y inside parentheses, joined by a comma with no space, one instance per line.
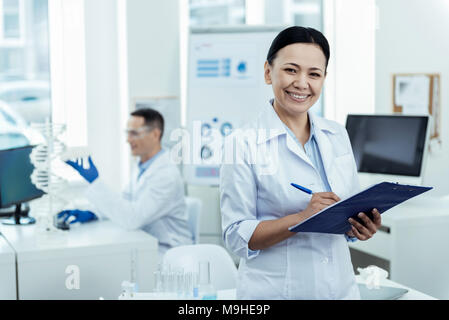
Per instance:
(271,232)
(319,201)
(366,231)
(358,230)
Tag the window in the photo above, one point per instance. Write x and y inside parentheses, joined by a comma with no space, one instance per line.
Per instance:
(217,12)
(24,68)
(11,19)
(307,13)
(274,12)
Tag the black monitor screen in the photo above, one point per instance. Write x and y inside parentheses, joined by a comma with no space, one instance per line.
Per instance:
(388,144)
(15,182)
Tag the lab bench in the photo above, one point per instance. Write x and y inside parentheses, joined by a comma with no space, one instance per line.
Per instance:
(87,262)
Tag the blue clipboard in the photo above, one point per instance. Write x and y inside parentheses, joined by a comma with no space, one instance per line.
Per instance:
(334,219)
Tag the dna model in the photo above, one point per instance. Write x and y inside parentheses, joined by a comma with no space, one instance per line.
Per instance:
(46,159)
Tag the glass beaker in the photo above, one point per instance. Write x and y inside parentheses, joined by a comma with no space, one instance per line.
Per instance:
(206,290)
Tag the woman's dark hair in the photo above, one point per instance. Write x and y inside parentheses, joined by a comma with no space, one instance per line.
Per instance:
(298,34)
(153,118)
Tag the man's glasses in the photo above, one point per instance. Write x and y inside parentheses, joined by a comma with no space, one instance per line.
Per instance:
(137,133)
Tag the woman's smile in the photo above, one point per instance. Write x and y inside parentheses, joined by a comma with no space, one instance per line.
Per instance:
(298,97)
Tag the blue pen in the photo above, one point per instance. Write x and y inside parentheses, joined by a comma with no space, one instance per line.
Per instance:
(302,188)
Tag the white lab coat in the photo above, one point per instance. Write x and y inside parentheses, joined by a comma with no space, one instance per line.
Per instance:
(306,265)
(154,203)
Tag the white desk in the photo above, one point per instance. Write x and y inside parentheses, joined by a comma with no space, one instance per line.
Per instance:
(231,293)
(7,271)
(416,245)
(88,262)
(410,295)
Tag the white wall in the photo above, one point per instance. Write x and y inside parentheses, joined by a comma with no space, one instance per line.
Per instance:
(349,26)
(153,48)
(274,12)
(68,68)
(132,51)
(412,37)
(104,125)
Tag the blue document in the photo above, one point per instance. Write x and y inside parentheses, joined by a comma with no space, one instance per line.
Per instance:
(382,196)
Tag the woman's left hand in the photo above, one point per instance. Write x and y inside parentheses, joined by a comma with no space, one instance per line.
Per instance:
(366,231)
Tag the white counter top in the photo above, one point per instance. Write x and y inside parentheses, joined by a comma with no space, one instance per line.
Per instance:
(29,239)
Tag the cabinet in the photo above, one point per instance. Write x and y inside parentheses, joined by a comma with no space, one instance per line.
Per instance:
(7,271)
(87,262)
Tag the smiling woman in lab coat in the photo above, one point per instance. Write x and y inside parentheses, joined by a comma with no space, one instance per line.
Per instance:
(258,205)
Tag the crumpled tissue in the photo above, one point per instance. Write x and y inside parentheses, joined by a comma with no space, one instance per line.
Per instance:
(372,275)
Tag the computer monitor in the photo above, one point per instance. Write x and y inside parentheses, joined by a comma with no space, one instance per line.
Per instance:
(16,187)
(389,147)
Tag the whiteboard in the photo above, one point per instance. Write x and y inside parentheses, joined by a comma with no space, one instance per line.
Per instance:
(225,87)
(226,73)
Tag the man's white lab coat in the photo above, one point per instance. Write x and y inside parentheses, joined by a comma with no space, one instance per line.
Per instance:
(154,203)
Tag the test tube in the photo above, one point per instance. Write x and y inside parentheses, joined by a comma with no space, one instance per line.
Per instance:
(186,285)
(205,287)
(179,274)
(195,285)
(204,272)
(171,282)
(189,279)
(157,281)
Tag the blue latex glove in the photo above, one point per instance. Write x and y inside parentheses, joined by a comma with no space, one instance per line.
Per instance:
(89,174)
(80,216)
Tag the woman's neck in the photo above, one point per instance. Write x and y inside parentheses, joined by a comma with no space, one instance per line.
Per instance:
(298,123)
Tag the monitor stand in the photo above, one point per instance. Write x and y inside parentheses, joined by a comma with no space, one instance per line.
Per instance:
(20,216)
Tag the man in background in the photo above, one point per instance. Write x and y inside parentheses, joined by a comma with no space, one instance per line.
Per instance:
(154,198)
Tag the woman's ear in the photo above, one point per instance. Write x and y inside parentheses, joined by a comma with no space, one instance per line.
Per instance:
(267,73)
